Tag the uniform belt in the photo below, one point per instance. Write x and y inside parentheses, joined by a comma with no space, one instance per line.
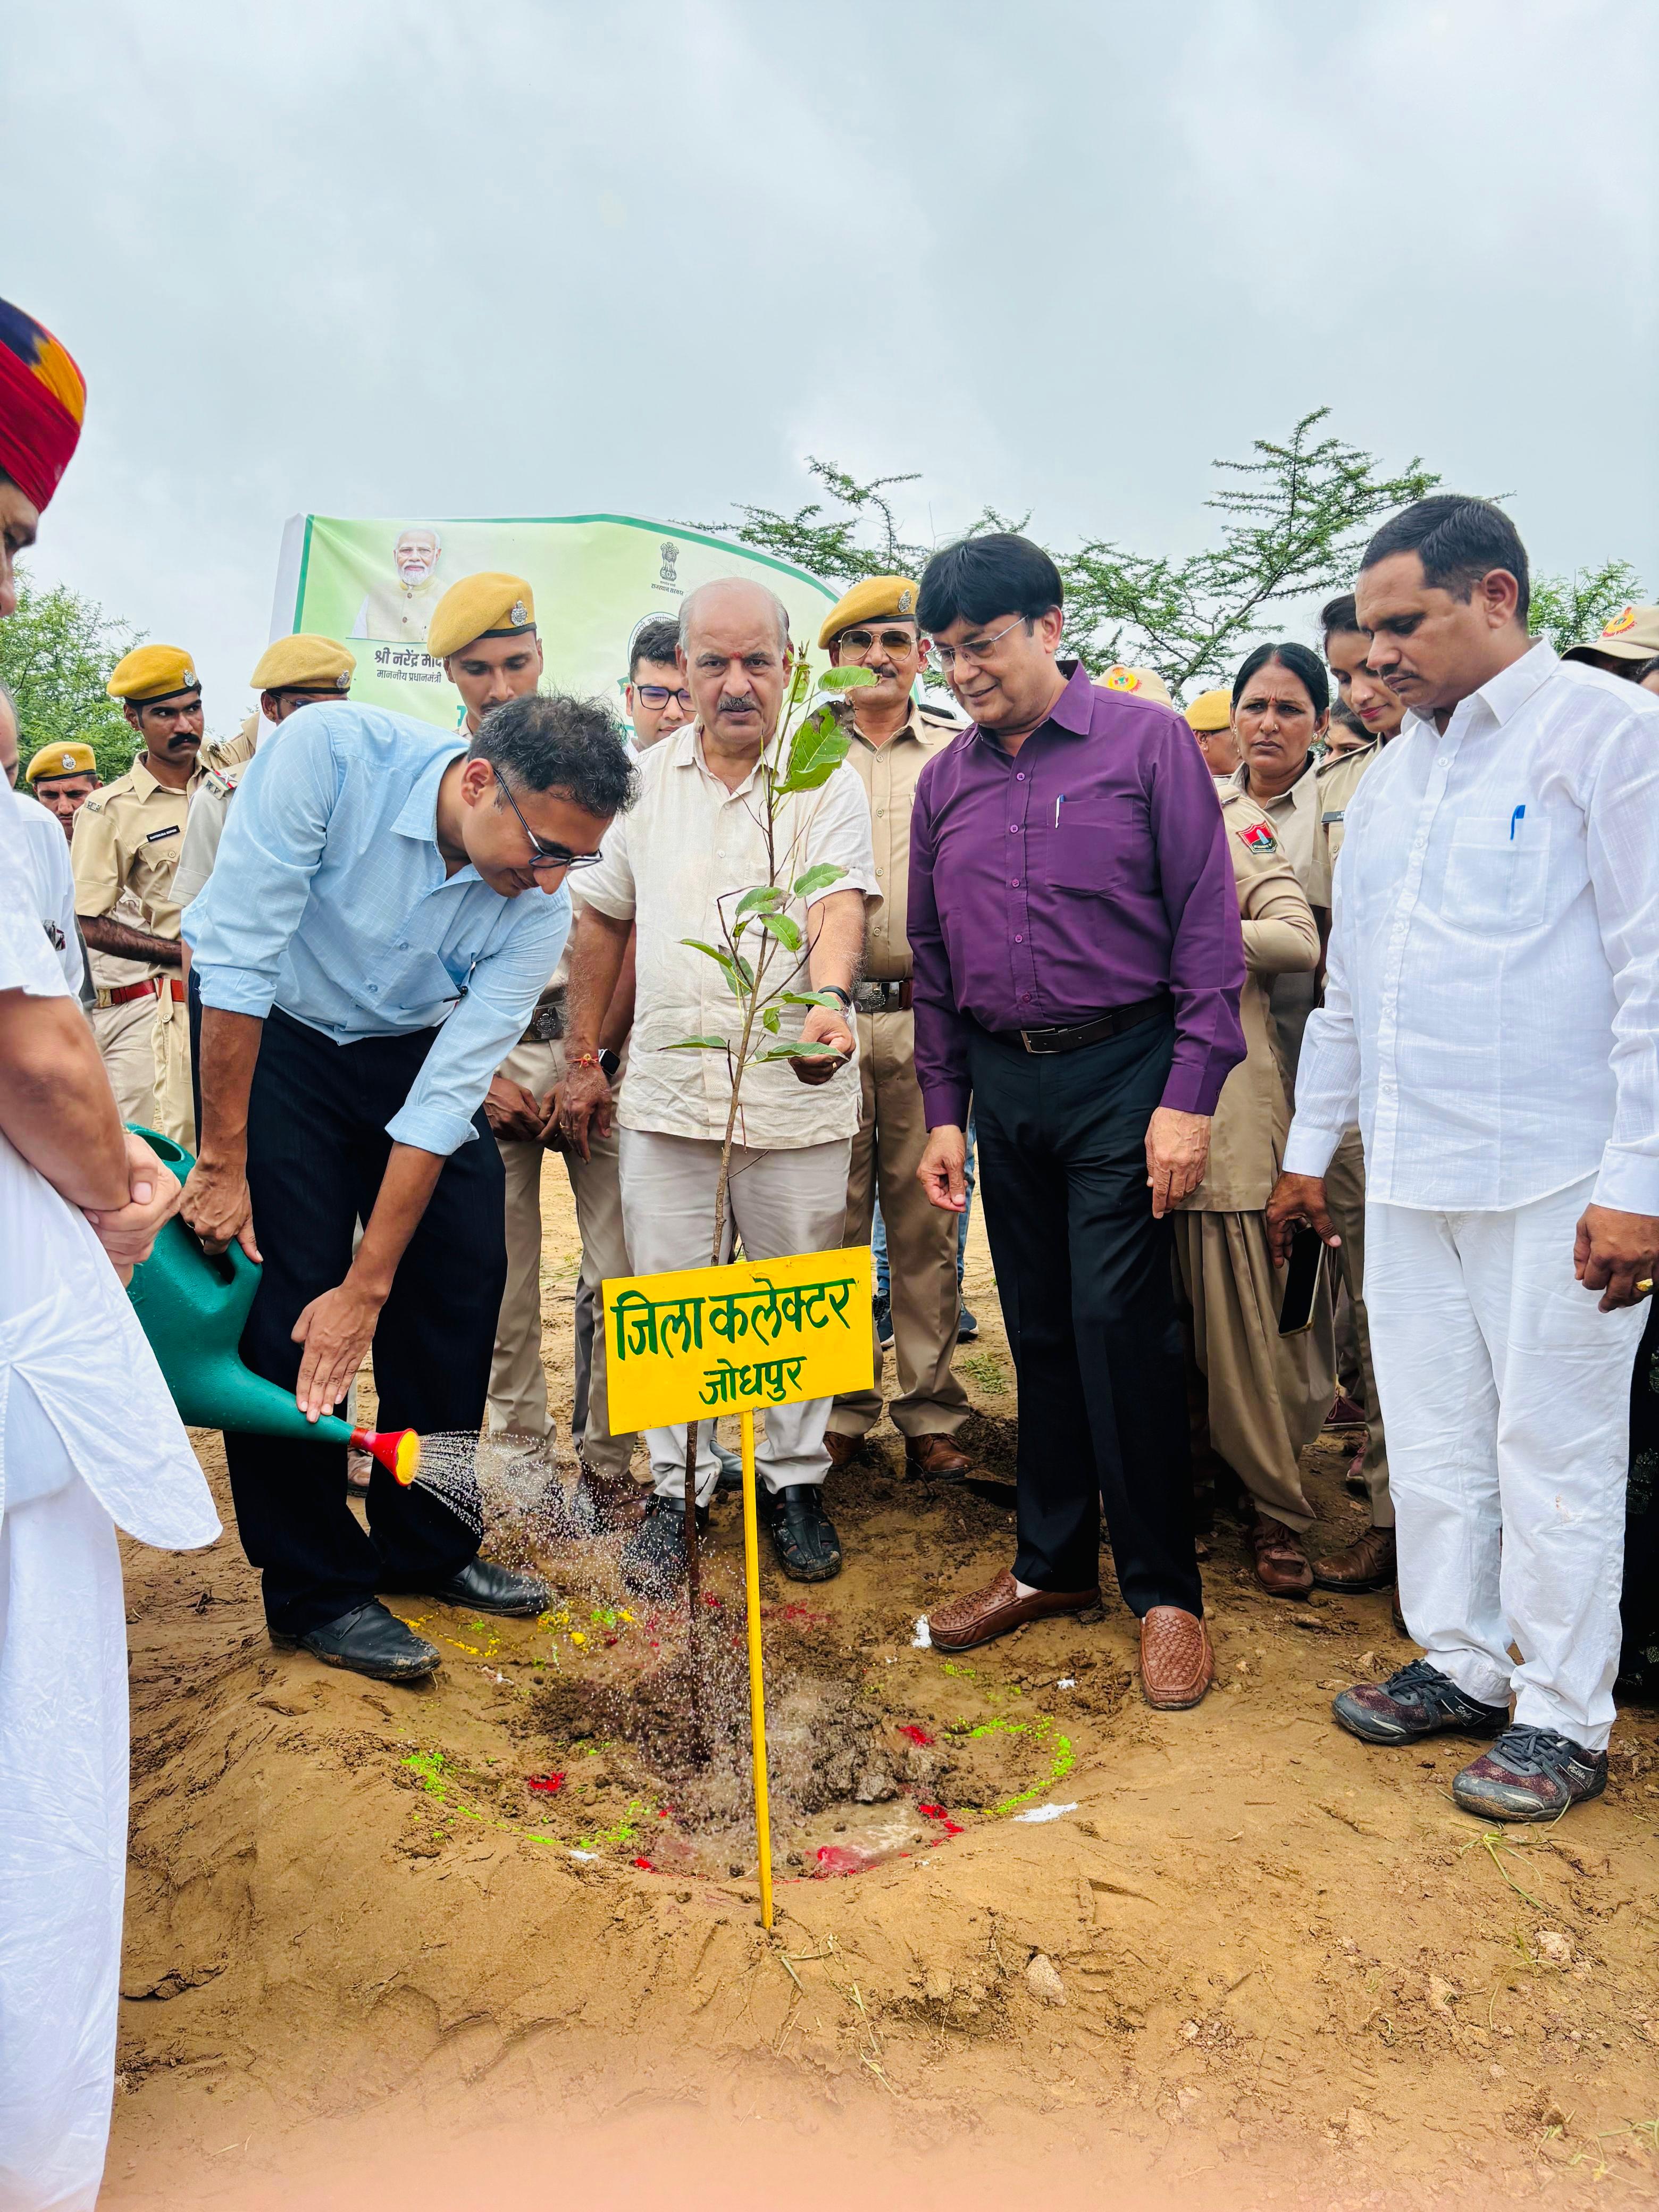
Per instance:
(149,988)
(1108,1025)
(893,998)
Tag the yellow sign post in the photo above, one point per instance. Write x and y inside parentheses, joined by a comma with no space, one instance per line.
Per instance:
(711,1341)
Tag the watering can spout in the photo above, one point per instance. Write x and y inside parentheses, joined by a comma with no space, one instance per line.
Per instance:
(193,1306)
(398,1450)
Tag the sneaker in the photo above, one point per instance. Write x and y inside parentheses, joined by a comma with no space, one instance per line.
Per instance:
(1530,1774)
(1418,1701)
(803,1535)
(883,1308)
(654,1554)
(967,1328)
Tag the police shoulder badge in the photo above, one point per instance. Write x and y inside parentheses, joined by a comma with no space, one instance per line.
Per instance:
(1259,837)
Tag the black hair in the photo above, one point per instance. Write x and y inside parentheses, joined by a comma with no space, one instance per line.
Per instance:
(979,578)
(549,741)
(655,640)
(1640,675)
(1337,616)
(1458,540)
(1300,660)
(1349,719)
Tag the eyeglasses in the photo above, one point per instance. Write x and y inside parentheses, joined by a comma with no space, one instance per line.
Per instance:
(544,856)
(978,649)
(658,695)
(857,644)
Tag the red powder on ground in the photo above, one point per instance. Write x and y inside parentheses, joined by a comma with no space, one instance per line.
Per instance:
(547,1784)
(937,1813)
(916,1735)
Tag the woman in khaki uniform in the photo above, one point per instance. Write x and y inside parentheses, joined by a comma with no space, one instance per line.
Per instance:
(1267,1393)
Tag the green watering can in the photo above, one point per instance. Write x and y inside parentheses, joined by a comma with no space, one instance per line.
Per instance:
(193,1308)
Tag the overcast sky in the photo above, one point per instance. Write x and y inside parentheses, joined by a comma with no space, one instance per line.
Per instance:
(540,257)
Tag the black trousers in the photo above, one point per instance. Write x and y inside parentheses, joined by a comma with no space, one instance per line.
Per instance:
(1085,1279)
(317,1148)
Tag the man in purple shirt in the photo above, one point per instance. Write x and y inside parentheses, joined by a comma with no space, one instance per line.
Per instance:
(1078,969)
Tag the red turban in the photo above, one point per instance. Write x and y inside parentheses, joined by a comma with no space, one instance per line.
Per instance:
(43,401)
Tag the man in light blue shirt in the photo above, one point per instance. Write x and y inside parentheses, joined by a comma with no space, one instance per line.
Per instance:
(387,906)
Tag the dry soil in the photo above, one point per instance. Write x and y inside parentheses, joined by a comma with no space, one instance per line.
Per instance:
(499,1937)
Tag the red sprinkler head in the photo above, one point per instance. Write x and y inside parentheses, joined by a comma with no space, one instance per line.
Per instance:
(398,1450)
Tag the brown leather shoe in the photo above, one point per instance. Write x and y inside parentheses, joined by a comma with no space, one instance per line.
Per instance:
(936,1457)
(978,1615)
(600,1505)
(1365,1565)
(840,1448)
(1281,1564)
(1176,1663)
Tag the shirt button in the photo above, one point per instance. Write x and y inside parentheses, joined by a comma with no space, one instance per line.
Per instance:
(1019,940)
(1023,996)
(1020,778)
(1013,883)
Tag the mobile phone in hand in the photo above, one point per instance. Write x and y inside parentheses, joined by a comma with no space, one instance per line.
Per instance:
(1300,1300)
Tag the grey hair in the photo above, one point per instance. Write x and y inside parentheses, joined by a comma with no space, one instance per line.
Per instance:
(690,601)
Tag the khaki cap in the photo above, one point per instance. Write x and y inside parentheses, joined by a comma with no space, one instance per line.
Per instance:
(1631,635)
(75,759)
(150,672)
(1210,710)
(876,598)
(490,605)
(305,662)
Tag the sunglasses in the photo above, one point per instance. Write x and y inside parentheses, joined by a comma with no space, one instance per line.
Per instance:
(857,644)
(542,856)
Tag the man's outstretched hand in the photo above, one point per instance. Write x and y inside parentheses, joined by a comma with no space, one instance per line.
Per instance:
(1297,1201)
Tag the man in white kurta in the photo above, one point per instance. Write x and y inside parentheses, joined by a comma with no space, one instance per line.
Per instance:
(1491,1013)
(88,1439)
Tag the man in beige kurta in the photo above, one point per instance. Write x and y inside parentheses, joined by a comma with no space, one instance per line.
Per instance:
(893,737)
(1268,1394)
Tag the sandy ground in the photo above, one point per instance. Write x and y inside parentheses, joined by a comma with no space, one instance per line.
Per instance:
(425,1948)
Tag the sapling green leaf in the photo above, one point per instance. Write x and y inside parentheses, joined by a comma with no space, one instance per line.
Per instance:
(820,745)
(809,999)
(816,879)
(766,898)
(798,1048)
(698,1044)
(771,1019)
(845,679)
(784,928)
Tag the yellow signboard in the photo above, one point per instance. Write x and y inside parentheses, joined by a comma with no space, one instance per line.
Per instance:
(713,1340)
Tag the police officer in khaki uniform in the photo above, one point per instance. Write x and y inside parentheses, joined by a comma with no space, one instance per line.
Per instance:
(288,676)
(128,839)
(1268,1394)
(893,737)
(63,777)
(483,630)
(1210,719)
(1281,702)
(1369,1562)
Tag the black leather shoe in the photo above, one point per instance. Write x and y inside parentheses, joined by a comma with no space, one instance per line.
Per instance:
(368,1640)
(731,1469)
(653,1556)
(803,1535)
(481,1588)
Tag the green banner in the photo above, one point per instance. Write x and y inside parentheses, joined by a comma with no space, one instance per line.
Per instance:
(595,577)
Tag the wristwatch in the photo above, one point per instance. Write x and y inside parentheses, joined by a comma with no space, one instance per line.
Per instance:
(609,1063)
(845,997)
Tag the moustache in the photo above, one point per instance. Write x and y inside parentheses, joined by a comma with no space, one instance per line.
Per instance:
(740,703)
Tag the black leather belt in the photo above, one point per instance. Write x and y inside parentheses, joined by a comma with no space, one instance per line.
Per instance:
(1110,1024)
(891,997)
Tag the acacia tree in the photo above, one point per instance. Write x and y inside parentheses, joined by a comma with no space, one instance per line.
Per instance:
(56,655)
(1572,610)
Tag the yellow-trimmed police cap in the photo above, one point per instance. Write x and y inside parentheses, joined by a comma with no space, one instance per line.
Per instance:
(73,759)
(150,672)
(876,599)
(1144,683)
(305,662)
(1210,710)
(490,605)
